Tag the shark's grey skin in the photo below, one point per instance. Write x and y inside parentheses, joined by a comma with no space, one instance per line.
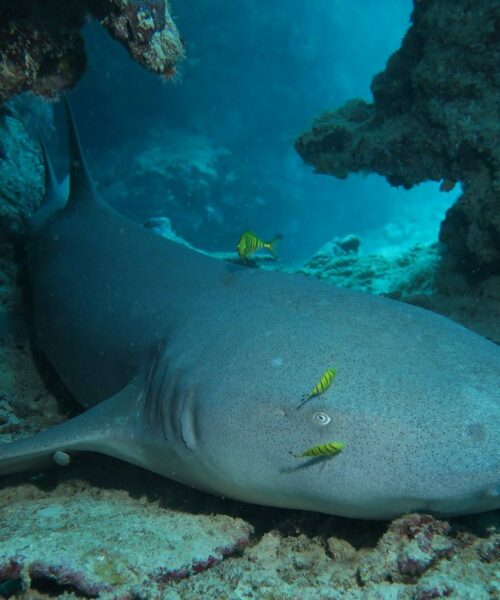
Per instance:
(197,369)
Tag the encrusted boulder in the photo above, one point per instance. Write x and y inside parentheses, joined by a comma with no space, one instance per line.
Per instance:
(400,276)
(106,544)
(146,29)
(21,189)
(435,116)
(21,175)
(411,546)
(41,48)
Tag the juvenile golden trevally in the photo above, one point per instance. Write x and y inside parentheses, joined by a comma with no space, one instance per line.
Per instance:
(328,449)
(323,384)
(250,243)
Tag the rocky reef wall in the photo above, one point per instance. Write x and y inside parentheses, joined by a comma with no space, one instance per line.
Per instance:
(21,188)
(435,116)
(41,49)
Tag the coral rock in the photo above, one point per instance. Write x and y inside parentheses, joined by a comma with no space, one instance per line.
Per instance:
(412,272)
(146,29)
(102,543)
(41,48)
(434,117)
(412,545)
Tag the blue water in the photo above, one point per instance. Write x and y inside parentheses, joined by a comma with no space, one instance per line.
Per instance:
(255,76)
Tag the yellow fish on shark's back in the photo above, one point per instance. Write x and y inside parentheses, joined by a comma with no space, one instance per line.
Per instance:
(250,243)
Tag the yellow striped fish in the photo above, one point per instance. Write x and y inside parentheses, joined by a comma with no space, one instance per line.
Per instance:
(323,384)
(250,243)
(328,449)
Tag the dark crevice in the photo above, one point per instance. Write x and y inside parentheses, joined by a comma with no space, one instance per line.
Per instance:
(50,587)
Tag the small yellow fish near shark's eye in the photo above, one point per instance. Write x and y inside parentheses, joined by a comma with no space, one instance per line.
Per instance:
(328,449)
(323,384)
(250,243)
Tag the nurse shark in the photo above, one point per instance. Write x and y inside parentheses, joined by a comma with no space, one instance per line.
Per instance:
(198,369)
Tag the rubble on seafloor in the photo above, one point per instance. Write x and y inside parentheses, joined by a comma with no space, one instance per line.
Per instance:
(101,543)
(26,404)
(416,557)
(434,116)
(41,49)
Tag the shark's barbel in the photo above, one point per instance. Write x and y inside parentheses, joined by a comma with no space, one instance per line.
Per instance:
(181,374)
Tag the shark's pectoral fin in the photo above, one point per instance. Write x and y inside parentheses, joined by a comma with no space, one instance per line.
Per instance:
(107,428)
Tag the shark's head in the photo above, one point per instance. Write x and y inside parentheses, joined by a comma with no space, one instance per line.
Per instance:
(418,417)
(391,462)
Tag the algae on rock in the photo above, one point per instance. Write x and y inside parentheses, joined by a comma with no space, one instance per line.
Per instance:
(435,116)
(41,49)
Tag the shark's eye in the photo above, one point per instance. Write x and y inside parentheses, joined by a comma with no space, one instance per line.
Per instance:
(321,418)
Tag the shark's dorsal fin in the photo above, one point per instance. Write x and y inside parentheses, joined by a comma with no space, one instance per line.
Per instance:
(51,185)
(81,188)
(55,195)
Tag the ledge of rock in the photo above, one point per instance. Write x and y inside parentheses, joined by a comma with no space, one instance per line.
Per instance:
(41,48)
(98,543)
(434,116)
